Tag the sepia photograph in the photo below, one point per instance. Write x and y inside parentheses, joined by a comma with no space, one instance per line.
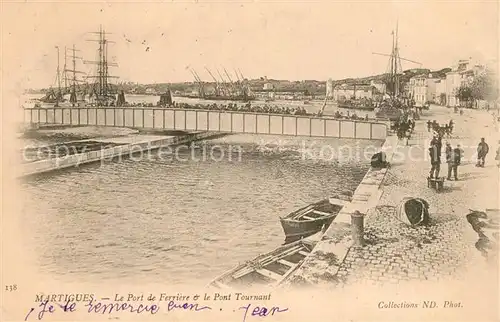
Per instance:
(250,160)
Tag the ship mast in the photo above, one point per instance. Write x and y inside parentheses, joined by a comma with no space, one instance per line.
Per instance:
(395,57)
(64,69)
(101,85)
(59,94)
(395,64)
(74,80)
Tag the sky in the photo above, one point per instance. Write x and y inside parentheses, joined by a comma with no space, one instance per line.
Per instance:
(280,39)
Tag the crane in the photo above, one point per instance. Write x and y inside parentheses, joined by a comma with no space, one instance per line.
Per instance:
(198,79)
(237,77)
(246,87)
(230,80)
(228,77)
(217,88)
(223,87)
(241,74)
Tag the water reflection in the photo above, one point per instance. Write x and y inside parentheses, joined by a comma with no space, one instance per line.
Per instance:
(175,220)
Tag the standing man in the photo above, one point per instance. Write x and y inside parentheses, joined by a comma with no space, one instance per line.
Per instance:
(456,158)
(482,151)
(449,158)
(435,155)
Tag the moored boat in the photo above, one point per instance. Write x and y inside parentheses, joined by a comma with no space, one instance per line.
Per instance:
(269,269)
(355,106)
(390,113)
(310,219)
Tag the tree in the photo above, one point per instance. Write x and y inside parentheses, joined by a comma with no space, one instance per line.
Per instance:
(484,87)
(464,94)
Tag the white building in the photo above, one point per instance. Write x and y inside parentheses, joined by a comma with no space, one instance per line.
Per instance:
(440,91)
(418,89)
(329,88)
(463,72)
(345,92)
(268,86)
(423,89)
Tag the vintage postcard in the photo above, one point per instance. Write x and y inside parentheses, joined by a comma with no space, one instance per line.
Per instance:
(250,161)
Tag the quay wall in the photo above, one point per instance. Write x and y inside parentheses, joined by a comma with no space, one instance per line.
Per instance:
(208,120)
(323,263)
(117,151)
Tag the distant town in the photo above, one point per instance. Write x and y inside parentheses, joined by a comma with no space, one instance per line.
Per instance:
(467,83)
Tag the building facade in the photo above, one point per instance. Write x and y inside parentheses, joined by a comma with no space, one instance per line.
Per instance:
(424,89)
(453,81)
(440,91)
(463,72)
(418,89)
(345,92)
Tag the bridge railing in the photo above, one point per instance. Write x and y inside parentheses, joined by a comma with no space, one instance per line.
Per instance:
(209,120)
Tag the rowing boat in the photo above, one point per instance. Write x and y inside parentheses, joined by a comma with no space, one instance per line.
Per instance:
(269,269)
(310,219)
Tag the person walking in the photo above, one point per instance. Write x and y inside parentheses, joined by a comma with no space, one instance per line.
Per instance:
(482,151)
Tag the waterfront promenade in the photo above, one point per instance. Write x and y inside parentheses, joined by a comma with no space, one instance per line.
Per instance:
(393,252)
(446,248)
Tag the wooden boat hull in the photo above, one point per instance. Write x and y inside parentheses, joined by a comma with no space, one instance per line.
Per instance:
(297,229)
(269,269)
(354,107)
(309,220)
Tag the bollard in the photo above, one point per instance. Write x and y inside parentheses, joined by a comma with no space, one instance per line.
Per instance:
(357,229)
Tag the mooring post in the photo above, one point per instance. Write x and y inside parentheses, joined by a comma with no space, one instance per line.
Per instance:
(357,229)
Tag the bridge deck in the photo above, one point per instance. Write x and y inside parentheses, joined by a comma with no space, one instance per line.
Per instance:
(208,120)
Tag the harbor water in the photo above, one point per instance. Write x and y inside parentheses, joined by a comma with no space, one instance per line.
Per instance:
(180,220)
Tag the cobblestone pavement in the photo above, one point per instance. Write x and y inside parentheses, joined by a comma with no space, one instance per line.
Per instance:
(445,248)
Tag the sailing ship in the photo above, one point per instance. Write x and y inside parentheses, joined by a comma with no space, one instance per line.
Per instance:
(75,89)
(392,108)
(52,96)
(101,91)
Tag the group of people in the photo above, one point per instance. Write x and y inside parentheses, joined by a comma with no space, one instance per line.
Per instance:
(403,127)
(248,107)
(270,109)
(453,157)
(439,129)
(348,116)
